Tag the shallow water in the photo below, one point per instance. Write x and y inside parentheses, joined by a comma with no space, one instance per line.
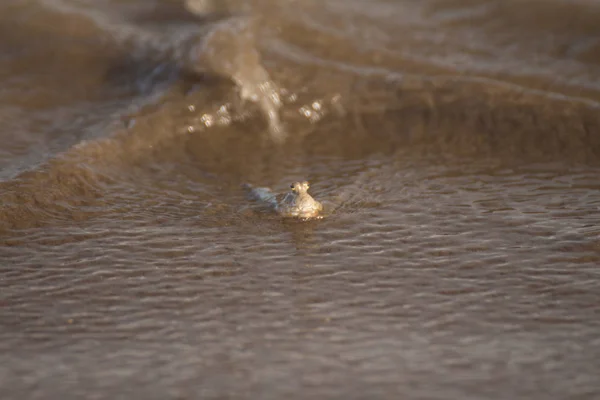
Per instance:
(455,145)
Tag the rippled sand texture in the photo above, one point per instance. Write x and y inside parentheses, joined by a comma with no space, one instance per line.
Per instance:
(454,144)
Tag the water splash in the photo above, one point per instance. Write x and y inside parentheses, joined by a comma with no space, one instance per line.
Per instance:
(229,49)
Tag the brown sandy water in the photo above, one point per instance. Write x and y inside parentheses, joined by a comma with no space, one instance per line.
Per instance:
(455,144)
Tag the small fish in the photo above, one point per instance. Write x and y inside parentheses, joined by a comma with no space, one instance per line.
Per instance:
(295,204)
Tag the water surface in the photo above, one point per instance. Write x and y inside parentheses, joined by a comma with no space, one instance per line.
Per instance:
(455,144)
